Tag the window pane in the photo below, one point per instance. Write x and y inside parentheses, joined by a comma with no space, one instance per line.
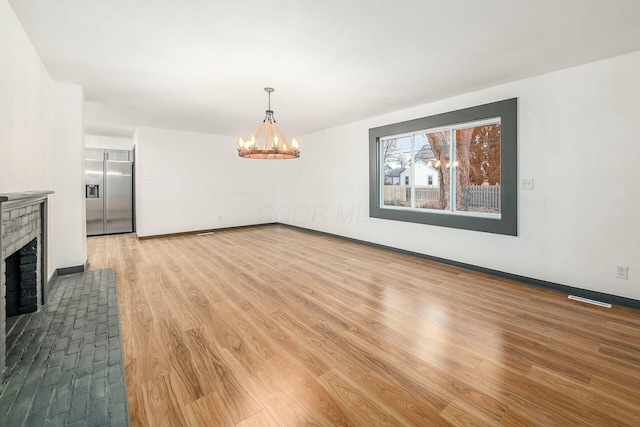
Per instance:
(478,168)
(396,154)
(431,172)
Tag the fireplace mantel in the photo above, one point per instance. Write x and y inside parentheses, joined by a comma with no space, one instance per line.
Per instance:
(8,199)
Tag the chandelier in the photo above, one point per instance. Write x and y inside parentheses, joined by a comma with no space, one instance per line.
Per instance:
(273,144)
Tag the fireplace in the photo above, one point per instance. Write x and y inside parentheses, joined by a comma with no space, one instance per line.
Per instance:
(23,273)
(21,279)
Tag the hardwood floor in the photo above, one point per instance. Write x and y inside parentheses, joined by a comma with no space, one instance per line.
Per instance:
(273,326)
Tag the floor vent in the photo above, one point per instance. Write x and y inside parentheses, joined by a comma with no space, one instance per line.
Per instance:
(208,233)
(590,301)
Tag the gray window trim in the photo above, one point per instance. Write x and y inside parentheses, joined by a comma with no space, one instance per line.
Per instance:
(507,224)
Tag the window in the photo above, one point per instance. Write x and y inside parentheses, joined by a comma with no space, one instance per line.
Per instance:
(459,169)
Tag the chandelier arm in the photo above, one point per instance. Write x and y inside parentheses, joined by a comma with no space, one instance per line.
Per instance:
(267,135)
(284,140)
(272,135)
(257,134)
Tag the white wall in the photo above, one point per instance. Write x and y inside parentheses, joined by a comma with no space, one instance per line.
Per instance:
(25,110)
(26,148)
(573,230)
(187,181)
(68,202)
(108,142)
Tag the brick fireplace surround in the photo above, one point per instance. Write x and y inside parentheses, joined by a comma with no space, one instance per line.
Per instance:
(23,231)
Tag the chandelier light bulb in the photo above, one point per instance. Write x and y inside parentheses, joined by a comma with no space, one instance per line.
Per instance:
(294,144)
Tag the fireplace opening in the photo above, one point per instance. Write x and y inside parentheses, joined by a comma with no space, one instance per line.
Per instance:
(21,282)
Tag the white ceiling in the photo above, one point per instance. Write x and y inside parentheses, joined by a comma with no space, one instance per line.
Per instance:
(201,65)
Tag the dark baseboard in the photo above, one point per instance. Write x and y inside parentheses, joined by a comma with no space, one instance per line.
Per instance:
(53,277)
(50,284)
(569,290)
(70,270)
(210,230)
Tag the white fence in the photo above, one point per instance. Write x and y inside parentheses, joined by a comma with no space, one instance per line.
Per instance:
(475,198)
(481,198)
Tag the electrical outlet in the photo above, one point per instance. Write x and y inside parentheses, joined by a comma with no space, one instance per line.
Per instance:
(527,183)
(622,272)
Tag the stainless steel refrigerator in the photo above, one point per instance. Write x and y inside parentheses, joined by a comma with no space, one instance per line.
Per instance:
(109,191)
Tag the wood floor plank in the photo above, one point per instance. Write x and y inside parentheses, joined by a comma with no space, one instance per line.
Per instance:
(329,354)
(617,409)
(414,404)
(354,400)
(402,366)
(137,408)
(260,419)
(217,376)
(271,325)
(536,397)
(282,404)
(161,403)
(459,414)
(208,411)
(308,391)
(180,357)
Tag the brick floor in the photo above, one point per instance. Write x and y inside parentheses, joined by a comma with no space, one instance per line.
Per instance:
(64,363)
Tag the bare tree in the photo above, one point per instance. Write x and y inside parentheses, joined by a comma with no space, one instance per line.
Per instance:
(439,142)
(463,141)
(390,151)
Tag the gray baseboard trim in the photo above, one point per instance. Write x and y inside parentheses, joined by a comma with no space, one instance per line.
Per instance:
(53,276)
(52,280)
(569,290)
(208,230)
(70,270)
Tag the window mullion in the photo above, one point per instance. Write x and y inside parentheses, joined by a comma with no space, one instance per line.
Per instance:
(452,175)
(381,173)
(412,180)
